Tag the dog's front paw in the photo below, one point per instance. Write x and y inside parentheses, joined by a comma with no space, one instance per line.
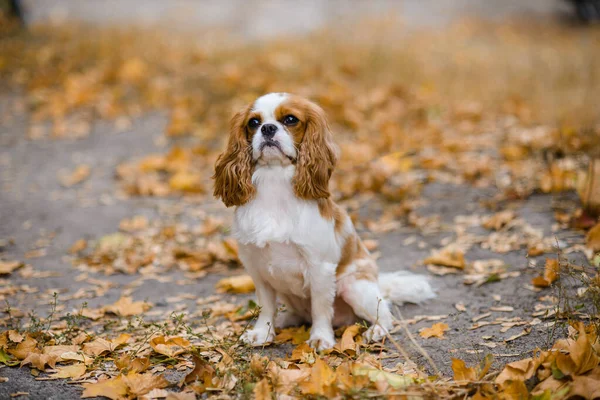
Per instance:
(375,333)
(258,336)
(321,340)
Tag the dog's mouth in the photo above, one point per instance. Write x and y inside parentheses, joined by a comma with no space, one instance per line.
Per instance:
(276,145)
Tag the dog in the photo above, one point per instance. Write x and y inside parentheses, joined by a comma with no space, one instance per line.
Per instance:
(296,243)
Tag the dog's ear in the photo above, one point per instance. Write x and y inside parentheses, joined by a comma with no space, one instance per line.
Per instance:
(233,170)
(317,156)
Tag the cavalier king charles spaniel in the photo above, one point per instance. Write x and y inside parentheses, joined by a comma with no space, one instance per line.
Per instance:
(296,243)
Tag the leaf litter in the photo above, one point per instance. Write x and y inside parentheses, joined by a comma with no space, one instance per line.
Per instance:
(422,136)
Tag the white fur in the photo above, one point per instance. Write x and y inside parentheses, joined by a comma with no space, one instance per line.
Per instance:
(404,287)
(267,105)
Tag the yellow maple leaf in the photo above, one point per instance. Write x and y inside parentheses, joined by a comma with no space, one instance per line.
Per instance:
(437,330)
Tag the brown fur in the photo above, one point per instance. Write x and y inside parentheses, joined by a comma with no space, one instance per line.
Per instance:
(317,155)
(233,170)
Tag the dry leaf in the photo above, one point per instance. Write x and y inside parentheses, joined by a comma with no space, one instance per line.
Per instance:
(74,371)
(78,246)
(114,389)
(139,384)
(80,174)
(236,284)
(169,347)
(437,330)
(347,344)
(297,335)
(262,390)
(101,346)
(499,220)
(551,270)
(126,307)
(6,267)
(592,239)
(447,258)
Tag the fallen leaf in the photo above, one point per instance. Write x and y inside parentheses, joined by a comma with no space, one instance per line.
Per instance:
(551,269)
(437,330)
(499,220)
(447,258)
(297,335)
(78,246)
(461,372)
(80,174)
(592,239)
(126,307)
(169,347)
(236,284)
(6,267)
(139,384)
(74,371)
(100,345)
(321,382)
(262,390)
(347,344)
(375,375)
(113,388)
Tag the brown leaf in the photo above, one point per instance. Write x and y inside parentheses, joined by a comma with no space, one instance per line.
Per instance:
(74,371)
(113,388)
(347,344)
(236,284)
(202,373)
(448,258)
(262,390)
(24,348)
(437,330)
(78,246)
(40,360)
(169,347)
(126,307)
(6,267)
(520,370)
(297,335)
(186,181)
(592,239)
(583,355)
(499,220)
(321,382)
(461,372)
(80,174)
(551,270)
(139,384)
(101,346)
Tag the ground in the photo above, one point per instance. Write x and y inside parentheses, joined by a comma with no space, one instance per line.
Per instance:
(105,164)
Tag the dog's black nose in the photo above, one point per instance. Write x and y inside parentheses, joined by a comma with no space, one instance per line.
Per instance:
(268,130)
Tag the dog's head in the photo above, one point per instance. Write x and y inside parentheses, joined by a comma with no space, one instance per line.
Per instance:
(277,129)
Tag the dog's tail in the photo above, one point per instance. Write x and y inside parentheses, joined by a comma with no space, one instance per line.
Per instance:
(405,287)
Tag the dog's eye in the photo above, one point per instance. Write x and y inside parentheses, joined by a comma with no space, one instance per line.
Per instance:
(290,120)
(253,123)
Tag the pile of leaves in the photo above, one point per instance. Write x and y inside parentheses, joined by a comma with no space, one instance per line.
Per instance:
(177,361)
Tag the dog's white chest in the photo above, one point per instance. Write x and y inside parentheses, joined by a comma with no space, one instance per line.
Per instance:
(284,268)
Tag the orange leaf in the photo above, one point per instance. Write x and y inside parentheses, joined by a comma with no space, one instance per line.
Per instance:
(437,330)
(113,388)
